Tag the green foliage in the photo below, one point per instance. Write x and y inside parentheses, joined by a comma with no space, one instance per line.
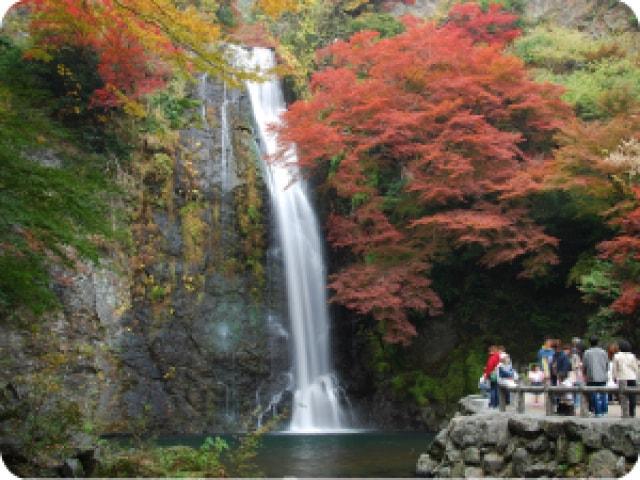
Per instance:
(42,423)
(241,460)
(510,5)
(315,24)
(47,428)
(607,325)
(61,89)
(72,77)
(382,356)
(595,279)
(602,89)
(162,165)
(214,458)
(596,282)
(558,49)
(226,16)
(386,24)
(193,231)
(602,77)
(456,378)
(24,281)
(179,461)
(158,292)
(400,370)
(173,106)
(42,208)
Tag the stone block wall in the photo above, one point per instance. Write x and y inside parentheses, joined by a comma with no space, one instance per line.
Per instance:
(494,444)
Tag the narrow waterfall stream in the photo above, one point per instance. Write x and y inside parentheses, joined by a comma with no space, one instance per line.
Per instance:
(316,405)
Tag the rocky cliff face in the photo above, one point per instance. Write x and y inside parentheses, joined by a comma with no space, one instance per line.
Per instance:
(204,346)
(493,444)
(183,330)
(588,15)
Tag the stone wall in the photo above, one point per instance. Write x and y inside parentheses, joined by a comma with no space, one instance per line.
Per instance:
(479,443)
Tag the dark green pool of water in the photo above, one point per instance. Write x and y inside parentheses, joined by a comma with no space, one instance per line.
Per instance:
(362,454)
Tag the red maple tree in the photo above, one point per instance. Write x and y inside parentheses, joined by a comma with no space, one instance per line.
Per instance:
(424,143)
(494,27)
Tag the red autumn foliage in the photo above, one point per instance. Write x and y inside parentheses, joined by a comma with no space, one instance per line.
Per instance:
(582,164)
(128,69)
(125,68)
(494,27)
(624,252)
(425,140)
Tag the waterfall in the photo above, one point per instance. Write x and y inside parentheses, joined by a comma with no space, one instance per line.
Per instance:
(225,141)
(316,404)
(202,94)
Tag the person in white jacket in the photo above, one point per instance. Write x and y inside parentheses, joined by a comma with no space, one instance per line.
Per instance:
(624,368)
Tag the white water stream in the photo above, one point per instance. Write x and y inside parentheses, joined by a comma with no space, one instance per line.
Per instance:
(316,406)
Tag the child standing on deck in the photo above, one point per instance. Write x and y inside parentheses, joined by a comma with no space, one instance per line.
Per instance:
(536,379)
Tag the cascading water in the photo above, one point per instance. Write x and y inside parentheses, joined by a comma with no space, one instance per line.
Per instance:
(225,141)
(316,406)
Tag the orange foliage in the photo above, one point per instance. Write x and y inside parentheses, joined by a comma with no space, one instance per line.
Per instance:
(495,27)
(136,41)
(275,8)
(581,162)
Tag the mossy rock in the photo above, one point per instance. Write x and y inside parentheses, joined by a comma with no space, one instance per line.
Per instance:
(603,463)
(575,452)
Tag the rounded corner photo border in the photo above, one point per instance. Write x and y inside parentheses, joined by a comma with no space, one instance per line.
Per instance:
(5,7)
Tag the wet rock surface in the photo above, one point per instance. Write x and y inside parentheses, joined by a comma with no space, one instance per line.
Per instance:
(185,331)
(204,348)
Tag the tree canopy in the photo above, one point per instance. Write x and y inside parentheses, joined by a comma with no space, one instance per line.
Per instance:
(426,142)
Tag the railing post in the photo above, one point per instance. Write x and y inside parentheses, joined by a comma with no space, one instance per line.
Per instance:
(502,398)
(584,402)
(624,400)
(520,400)
(548,401)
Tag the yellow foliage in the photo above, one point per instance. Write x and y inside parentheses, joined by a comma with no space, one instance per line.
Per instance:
(193,232)
(354,4)
(177,33)
(170,374)
(275,8)
(134,109)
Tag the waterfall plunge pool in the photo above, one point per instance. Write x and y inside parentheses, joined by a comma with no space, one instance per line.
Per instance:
(356,454)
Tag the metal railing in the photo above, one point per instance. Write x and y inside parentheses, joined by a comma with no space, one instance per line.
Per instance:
(552,393)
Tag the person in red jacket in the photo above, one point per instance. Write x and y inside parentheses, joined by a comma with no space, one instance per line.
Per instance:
(490,373)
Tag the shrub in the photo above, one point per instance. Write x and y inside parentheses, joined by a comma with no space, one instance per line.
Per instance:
(601,77)
(385,24)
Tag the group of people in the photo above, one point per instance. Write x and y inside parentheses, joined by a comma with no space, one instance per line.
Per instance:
(568,364)
(498,371)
